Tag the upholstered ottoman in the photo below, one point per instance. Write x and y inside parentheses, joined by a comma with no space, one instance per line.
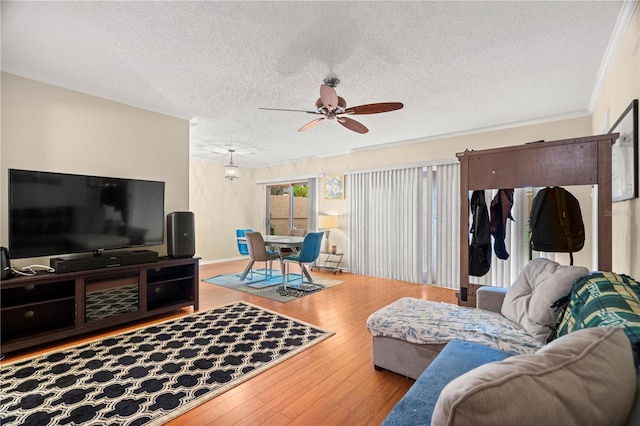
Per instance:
(409,333)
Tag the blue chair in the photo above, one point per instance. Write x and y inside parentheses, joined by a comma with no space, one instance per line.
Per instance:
(242,245)
(308,254)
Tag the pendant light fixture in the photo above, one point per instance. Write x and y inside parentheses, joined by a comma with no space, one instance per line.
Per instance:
(231,170)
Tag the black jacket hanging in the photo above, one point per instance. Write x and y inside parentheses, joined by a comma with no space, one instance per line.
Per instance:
(480,247)
(500,212)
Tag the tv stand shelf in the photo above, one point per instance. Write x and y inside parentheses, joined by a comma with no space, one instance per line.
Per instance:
(47,307)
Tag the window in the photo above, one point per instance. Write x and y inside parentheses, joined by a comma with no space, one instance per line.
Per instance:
(287,207)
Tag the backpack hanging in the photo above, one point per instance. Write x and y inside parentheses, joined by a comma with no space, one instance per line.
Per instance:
(556,222)
(480,247)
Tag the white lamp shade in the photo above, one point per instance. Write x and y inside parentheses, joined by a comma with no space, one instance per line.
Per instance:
(327,221)
(231,171)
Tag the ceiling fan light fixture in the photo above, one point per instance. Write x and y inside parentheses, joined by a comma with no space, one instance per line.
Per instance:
(330,106)
(331,81)
(231,170)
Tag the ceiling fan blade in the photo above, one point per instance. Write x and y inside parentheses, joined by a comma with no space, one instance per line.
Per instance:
(292,110)
(353,125)
(329,97)
(374,108)
(310,124)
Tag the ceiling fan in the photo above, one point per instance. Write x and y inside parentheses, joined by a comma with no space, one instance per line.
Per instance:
(333,107)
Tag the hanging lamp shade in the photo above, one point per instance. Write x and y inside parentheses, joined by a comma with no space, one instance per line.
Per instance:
(231,170)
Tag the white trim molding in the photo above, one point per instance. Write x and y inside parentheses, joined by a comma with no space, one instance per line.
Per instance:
(423,164)
(289,179)
(624,19)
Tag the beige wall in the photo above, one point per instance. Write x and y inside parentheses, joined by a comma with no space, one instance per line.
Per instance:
(221,206)
(435,149)
(244,199)
(48,128)
(621,87)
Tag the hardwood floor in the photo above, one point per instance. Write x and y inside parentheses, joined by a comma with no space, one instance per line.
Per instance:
(332,383)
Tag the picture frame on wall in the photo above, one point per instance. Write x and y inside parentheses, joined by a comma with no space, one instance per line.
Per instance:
(334,188)
(624,155)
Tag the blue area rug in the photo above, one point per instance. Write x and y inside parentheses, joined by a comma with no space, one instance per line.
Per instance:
(272,288)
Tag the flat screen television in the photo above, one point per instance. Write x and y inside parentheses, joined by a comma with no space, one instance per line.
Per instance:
(60,213)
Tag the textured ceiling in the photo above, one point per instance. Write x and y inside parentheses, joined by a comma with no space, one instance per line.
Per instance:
(456,66)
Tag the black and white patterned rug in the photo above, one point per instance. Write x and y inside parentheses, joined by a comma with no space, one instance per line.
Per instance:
(152,374)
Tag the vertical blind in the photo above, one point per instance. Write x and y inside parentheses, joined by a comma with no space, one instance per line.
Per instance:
(404,224)
(312,203)
(442,214)
(384,223)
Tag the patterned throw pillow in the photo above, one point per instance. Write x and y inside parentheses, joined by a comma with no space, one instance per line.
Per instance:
(604,299)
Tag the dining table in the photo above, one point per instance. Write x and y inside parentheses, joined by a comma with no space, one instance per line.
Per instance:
(278,241)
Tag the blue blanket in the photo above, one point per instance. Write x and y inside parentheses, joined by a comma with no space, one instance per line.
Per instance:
(457,358)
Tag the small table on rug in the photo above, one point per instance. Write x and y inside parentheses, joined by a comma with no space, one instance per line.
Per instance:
(278,241)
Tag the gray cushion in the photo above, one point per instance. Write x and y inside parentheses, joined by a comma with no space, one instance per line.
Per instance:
(584,378)
(528,301)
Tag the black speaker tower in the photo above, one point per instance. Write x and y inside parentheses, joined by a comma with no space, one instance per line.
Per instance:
(181,239)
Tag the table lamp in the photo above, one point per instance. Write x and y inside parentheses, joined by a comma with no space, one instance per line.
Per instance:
(327,222)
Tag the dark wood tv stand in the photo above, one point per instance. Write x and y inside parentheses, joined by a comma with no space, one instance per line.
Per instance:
(47,307)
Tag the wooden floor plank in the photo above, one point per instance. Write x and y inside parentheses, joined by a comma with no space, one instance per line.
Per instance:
(331,383)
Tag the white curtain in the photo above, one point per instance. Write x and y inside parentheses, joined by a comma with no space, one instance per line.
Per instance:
(442,225)
(384,223)
(404,224)
(312,203)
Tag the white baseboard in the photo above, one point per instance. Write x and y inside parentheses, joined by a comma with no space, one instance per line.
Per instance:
(229,259)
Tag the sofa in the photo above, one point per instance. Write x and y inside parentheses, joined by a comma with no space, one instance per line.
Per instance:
(561,345)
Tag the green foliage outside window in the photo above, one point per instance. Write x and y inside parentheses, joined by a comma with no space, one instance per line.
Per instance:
(300,191)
